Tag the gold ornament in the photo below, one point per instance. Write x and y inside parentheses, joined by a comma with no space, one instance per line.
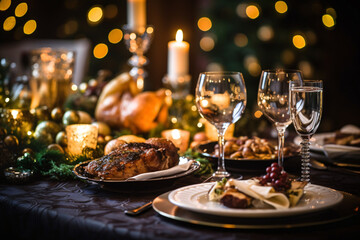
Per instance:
(56,147)
(48,127)
(29,151)
(57,114)
(44,137)
(70,117)
(61,138)
(11,141)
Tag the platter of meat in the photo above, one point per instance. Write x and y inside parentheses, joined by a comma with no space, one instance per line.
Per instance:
(248,152)
(119,168)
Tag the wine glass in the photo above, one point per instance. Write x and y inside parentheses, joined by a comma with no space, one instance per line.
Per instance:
(221,99)
(273,100)
(306,110)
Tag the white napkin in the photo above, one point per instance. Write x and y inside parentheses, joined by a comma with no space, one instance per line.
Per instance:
(262,193)
(171,171)
(336,150)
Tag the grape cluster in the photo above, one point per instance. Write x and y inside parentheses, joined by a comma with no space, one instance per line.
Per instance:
(276,177)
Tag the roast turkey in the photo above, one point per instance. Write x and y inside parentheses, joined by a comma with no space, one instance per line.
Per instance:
(131,159)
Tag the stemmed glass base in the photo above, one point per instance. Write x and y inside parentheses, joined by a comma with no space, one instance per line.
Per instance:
(221,172)
(305,159)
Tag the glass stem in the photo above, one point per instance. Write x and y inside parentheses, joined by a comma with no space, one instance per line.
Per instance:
(281,140)
(305,159)
(221,171)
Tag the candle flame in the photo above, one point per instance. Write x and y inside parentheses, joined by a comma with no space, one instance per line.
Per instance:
(175,134)
(14,113)
(179,35)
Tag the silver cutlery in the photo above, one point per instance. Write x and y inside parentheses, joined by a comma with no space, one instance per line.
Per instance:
(138,210)
(321,166)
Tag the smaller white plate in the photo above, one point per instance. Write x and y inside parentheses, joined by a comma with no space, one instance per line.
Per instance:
(316,141)
(195,198)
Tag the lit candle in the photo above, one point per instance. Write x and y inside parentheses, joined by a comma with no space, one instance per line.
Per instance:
(178,57)
(81,136)
(180,138)
(136,15)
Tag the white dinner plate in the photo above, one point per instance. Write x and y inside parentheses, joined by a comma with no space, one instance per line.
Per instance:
(195,198)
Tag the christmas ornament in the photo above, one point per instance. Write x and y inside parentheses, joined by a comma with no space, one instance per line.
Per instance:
(44,137)
(28,150)
(48,127)
(85,118)
(56,147)
(70,117)
(103,128)
(57,114)
(61,138)
(11,141)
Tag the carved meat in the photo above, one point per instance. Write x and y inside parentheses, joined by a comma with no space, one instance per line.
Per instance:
(132,159)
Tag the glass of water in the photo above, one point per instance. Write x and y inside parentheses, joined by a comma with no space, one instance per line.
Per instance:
(306,101)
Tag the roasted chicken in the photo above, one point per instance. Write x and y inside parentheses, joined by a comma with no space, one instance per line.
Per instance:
(131,159)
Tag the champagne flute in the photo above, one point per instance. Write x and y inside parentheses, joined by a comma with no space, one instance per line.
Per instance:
(273,100)
(221,99)
(306,110)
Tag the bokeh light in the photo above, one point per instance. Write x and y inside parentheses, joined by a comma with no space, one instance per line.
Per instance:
(252,11)
(252,65)
(241,40)
(70,27)
(21,9)
(115,36)
(110,11)
(4,5)
(265,33)
(95,14)
(100,50)
(328,20)
(207,43)
(30,27)
(299,41)
(204,24)
(9,23)
(241,10)
(281,7)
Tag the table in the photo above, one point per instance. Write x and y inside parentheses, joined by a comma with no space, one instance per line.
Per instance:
(47,209)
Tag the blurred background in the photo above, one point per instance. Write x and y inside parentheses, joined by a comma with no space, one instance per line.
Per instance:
(319,37)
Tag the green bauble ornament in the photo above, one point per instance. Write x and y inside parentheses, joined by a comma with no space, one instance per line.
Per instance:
(43,137)
(61,139)
(57,114)
(48,127)
(70,117)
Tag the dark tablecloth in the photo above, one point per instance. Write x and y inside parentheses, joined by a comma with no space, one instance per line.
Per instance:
(48,209)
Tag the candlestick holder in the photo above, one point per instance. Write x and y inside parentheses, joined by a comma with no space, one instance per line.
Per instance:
(138,43)
(180,86)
